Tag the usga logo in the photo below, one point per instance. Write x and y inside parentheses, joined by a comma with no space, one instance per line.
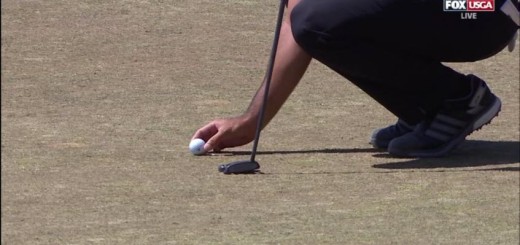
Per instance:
(469,5)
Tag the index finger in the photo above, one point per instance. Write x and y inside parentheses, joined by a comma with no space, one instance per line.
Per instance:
(205,133)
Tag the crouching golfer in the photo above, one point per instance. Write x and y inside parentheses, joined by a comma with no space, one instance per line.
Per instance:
(392,50)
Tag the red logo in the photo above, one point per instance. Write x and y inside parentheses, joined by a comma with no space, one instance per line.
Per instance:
(481,5)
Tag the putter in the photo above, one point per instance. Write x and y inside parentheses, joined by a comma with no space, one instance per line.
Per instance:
(251,165)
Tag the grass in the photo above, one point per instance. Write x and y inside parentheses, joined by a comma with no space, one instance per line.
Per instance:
(100,99)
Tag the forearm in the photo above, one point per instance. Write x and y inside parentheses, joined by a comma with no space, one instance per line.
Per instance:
(290,65)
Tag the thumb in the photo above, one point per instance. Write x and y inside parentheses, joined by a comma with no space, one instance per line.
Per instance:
(213,142)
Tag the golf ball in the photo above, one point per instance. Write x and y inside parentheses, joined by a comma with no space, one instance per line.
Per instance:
(197,146)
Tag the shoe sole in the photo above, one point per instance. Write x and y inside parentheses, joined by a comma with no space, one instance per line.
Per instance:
(477,124)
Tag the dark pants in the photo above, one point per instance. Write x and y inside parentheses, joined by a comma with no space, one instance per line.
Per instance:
(393,49)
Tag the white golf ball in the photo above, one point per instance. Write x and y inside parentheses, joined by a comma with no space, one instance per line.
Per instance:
(197,147)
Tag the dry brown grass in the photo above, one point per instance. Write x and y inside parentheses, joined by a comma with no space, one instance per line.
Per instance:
(100,98)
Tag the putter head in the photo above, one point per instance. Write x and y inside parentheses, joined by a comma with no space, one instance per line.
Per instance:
(239,167)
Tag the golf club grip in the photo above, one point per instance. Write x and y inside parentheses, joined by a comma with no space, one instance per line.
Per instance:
(269,75)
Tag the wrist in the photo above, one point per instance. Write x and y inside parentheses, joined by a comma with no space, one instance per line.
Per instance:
(249,119)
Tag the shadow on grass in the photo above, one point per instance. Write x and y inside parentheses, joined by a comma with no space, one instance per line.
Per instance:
(472,153)
(331,150)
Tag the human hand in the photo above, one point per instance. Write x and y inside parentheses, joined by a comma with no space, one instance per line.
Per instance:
(224,133)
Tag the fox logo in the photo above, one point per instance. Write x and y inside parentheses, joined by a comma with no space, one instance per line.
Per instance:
(455,5)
